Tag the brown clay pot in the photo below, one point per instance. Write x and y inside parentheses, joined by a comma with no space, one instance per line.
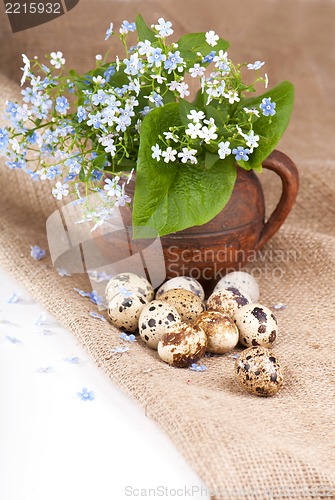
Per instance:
(206,252)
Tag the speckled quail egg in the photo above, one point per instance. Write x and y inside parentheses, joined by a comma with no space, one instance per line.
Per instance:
(157,318)
(124,311)
(257,325)
(129,282)
(185,282)
(244,282)
(227,301)
(188,305)
(183,345)
(221,331)
(258,370)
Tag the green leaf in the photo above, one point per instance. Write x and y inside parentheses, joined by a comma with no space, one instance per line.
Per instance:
(99,161)
(169,97)
(258,169)
(171,197)
(82,175)
(270,129)
(143,31)
(219,117)
(81,85)
(211,159)
(185,108)
(190,44)
(199,100)
(126,164)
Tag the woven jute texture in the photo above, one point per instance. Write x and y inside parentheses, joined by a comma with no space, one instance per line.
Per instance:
(241,446)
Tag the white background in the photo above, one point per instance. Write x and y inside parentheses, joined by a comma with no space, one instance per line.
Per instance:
(54,445)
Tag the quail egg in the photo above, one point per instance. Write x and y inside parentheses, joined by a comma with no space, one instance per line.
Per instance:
(258,370)
(257,325)
(244,282)
(157,318)
(129,282)
(183,345)
(221,331)
(124,311)
(227,301)
(185,282)
(187,303)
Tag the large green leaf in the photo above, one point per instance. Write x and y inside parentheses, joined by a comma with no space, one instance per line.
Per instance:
(143,31)
(171,197)
(270,129)
(190,44)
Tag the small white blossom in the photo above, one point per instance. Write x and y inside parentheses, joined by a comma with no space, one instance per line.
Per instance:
(208,134)
(256,65)
(138,125)
(156,152)
(193,130)
(182,89)
(170,135)
(197,70)
(160,79)
(57,59)
(252,111)
(117,60)
(173,85)
(112,187)
(210,123)
(23,113)
(215,89)
(240,131)
(224,149)
(108,142)
(109,31)
(252,140)
(25,69)
(169,155)
(232,97)
(144,48)
(60,190)
(98,57)
(221,61)
(130,175)
(136,87)
(99,80)
(202,84)
(164,28)
(188,155)
(196,116)
(212,38)
(122,198)
(15,145)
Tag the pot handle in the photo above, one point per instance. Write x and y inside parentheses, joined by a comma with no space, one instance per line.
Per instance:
(282,165)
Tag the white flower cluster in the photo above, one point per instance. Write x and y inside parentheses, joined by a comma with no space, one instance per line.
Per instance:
(201,130)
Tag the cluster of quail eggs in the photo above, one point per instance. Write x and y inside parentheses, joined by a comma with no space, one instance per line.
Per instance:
(181,326)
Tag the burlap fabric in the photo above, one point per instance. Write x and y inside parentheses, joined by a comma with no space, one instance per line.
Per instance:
(241,446)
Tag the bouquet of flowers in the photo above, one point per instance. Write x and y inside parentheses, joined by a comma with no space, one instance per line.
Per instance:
(88,133)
